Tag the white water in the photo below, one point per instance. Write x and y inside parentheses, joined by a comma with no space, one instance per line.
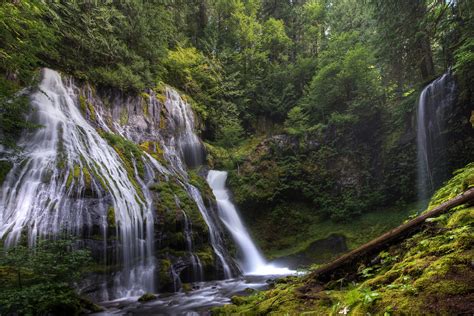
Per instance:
(37,199)
(253,262)
(44,194)
(216,241)
(434,103)
(187,147)
(183,124)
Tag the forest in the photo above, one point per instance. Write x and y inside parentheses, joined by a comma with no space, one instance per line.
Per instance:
(236,157)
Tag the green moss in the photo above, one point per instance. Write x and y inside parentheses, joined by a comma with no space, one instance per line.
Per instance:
(218,157)
(463,179)
(61,157)
(124,116)
(144,102)
(147,297)
(462,217)
(174,198)
(87,178)
(76,171)
(154,150)
(200,183)
(164,273)
(102,181)
(92,114)
(74,174)
(5,167)
(128,152)
(163,117)
(69,179)
(206,256)
(111,217)
(83,104)
(186,287)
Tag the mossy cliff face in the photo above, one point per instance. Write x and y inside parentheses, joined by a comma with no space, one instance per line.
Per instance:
(429,273)
(142,130)
(140,127)
(290,189)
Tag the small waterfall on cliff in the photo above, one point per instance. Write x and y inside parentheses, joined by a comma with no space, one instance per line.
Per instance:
(435,101)
(183,119)
(216,241)
(252,260)
(63,160)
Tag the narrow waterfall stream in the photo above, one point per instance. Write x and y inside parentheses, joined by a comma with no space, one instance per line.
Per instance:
(434,103)
(252,260)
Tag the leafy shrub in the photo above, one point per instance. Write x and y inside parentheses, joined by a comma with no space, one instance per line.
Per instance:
(38,281)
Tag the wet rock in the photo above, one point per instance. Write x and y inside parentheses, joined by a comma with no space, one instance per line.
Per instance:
(147,297)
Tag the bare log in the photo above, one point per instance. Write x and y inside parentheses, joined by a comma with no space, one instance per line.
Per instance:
(350,259)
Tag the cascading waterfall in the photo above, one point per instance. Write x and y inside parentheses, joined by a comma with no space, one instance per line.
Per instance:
(69,179)
(252,260)
(42,193)
(192,152)
(435,101)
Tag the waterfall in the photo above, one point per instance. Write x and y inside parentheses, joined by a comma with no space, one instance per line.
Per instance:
(195,261)
(252,260)
(216,241)
(42,195)
(72,179)
(435,101)
(192,152)
(187,141)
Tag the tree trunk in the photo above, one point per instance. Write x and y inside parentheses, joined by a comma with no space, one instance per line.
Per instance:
(426,63)
(348,261)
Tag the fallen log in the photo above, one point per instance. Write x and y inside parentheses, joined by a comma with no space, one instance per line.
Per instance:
(339,266)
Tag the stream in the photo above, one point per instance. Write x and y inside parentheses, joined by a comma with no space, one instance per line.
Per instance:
(198,301)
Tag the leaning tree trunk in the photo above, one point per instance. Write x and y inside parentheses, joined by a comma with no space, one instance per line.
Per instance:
(346,263)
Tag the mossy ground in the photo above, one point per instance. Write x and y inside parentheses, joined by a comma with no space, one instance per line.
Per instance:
(311,228)
(429,273)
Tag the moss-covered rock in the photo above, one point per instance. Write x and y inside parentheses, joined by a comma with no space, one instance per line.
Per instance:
(111,217)
(147,297)
(130,153)
(165,278)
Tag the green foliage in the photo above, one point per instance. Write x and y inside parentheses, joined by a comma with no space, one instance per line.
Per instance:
(38,281)
(296,122)
(113,44)
(14,109)
(350,83)
(190,70)
(5,167)
(230,134)
(464,67)
(25,38)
